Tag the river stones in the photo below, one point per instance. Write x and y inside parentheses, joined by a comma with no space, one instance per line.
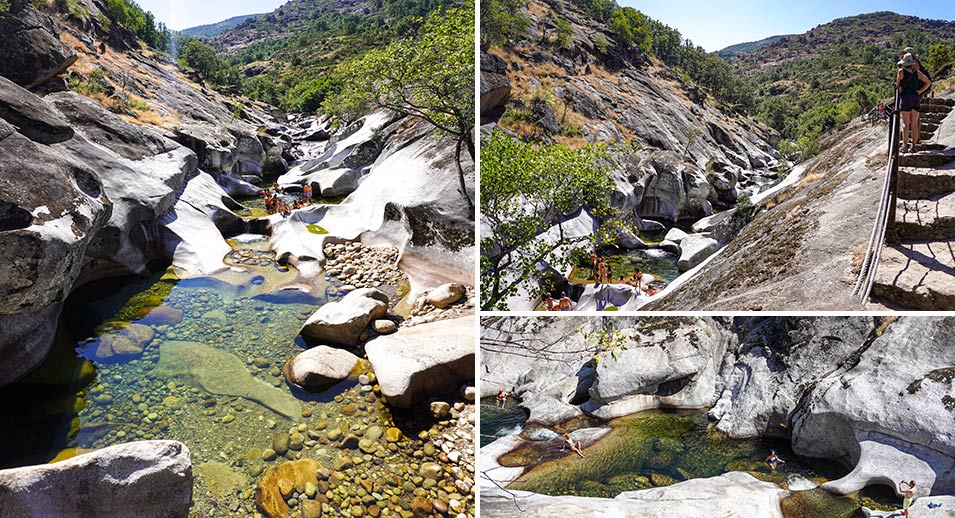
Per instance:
(445,295)
(342,322)
(420,361)
(221,373)
(320,368)
(295,475)
(121,342)
(150,479)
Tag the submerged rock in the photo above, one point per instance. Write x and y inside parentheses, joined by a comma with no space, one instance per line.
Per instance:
(148,479)
(122,342)
(221,373)
(294,475)
(341,323)
(319,368)
(424,360)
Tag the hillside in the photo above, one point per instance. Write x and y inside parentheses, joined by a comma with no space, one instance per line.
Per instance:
(807,84)
(749,47)
(213,29)
(287,57)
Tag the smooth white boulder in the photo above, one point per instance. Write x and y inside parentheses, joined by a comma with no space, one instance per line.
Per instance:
(319,368)
(341,323)
(423,360)
(694,248)
(147,479)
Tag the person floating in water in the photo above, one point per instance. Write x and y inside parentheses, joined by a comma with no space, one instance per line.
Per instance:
(773,460)
(502,396)
(574,446)
(908,495)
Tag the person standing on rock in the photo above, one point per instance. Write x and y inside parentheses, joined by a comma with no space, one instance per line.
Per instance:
(908,495)
(308,194)
(574,446)
(502,396)
(908,81)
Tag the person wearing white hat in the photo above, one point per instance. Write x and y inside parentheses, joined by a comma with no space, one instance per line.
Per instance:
(912,83)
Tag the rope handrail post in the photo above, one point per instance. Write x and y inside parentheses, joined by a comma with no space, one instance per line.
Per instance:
(894,161)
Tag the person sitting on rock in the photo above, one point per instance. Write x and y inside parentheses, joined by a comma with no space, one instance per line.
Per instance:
(908,495)
(502,396)
(574,446)
(550,304)
(564,304)
(636,279)
(773,460)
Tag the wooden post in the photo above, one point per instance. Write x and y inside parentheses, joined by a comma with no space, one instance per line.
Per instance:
(894,138)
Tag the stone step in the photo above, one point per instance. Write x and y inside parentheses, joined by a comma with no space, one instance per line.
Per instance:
(925,159)
(932,146)
(925,219)
(933,118)
(926,135)
(917,276)
(928,126)
(935,108)
(925,183)
(939,100)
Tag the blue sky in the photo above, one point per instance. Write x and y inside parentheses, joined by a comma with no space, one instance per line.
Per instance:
(182,14)
(715,24)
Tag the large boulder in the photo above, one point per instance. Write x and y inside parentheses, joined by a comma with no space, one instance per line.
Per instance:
(148,479)
(319,368)
(495,86)
(778,360)
(341,323)
(30,50)
(424,360)
(694,249)
(890,414)
(51,208)
(671,368)
(732,494)
(672,189)
(31,116)
(446,294)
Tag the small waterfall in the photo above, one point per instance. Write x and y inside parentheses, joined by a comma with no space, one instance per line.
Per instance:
(510,430)
(799,483)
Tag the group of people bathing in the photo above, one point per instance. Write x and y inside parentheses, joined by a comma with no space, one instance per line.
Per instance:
(601,273)
(773,460)
(274,204)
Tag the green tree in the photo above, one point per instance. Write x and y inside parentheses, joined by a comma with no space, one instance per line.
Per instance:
(939,54)
(500,19)
(565,33)
(430,77)
(527,189)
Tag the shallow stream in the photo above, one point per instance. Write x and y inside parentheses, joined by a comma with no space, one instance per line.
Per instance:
(200,361)
(660,448)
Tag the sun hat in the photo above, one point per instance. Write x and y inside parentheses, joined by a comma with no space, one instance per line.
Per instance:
(908,60)
(908,50)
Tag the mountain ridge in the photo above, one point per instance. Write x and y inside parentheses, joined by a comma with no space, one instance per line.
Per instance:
(749,47)
(214,29)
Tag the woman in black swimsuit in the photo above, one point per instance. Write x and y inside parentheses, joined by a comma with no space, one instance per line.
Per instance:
(909,79)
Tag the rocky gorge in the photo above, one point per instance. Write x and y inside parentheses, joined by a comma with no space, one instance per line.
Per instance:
(853,392)
(680,159)
(161,330)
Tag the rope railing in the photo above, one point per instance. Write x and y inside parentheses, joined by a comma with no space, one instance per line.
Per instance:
(885,219)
